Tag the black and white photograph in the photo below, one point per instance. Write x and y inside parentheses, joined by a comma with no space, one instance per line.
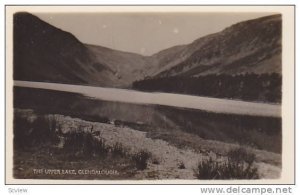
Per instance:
(156,95)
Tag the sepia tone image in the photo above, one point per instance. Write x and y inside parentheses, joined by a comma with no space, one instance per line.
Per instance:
(147,96)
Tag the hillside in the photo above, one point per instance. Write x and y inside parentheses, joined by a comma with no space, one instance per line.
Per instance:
(45,53)
(252,46)
(241,62)
(127,67)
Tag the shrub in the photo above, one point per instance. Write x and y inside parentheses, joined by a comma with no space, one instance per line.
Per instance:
(238,166)
(241,155)
(229,170)
(207,170)
(44,130)
(155,161)
(39,132)
(118,150)
(181,165)
(21,131)
(100,149)
(141,159)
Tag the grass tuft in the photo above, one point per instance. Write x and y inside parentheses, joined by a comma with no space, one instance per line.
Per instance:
(238,166)
(141,159)
(118,150)
(181,165)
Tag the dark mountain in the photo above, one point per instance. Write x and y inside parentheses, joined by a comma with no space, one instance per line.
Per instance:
(252,46)
(45,53)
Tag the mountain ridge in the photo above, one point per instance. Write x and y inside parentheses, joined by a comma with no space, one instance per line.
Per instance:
(43,52)
(239,39)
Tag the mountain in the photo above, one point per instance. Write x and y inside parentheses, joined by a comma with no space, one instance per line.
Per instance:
(252,46)
(241,62)
(43,52)
(127,67)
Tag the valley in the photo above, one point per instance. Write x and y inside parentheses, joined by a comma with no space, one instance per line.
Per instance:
(208,109)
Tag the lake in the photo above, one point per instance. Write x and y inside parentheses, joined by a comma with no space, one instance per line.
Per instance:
(209,104)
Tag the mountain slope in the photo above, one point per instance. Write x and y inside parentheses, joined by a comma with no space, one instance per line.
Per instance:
(127,67)
(241,62)
(45,53)
(252,46)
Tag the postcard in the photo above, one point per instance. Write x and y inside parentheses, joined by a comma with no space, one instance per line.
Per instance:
(150,95)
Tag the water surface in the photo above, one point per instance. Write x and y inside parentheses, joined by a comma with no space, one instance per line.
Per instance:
(217,105)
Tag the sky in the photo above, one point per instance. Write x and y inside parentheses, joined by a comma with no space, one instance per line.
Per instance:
(143,33)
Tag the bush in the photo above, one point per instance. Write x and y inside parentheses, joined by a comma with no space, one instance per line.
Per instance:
(181,165)
(21,131)
(229,170)
(118,150)
(44,130)
(207,170)
(141,159)
(240,155)
(238,166)
(39,132)
(99,147)
(155,161)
